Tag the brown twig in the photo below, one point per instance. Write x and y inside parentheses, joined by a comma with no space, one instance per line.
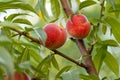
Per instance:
(90,68)
(70,59)
(27,35)
(66,7)
(40,42)
(101,11)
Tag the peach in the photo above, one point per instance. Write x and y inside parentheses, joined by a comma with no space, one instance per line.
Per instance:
(17,76)
(56,36)
(78,26)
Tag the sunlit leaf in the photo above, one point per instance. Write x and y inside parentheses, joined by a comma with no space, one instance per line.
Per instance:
(55,63)
(86,4)
(71,75)
(12,16)
(6,61)
(115,27)
(40,8)
(23,21)
(55,7)
(89,77)
(15,5)
(41,16)
(64,69)
(112,63)
(109,42)
(104,29)
(25,65)
(4,40)
(35,55)
(112,2)
(45,64)
(9,24)
(25,56)
(41,34)
(99,58)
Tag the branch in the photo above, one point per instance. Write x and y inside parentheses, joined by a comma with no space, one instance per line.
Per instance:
(39,41)
(70,59)
(101,11)
(90,68)
(102,8)
(66,7)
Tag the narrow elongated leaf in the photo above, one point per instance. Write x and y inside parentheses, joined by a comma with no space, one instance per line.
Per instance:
(86,3)
(112,63)
(12,16)
(41,34)
(99,57)
(70,3)
(55,7)
(72,74)
(115,27)
(9,24)
(45,63)
(108,43)
(90,77)
(25,65)
(15,5)
(66,68)
(104,29)
(25,55)
(23,21)
(112,2)
(35,55)
(54,62)
(6,61)
(41,6)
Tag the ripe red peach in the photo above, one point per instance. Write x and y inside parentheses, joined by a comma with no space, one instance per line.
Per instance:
(17,76)
(56,36)
(78,26)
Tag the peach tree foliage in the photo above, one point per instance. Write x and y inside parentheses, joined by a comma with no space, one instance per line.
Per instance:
(22,40)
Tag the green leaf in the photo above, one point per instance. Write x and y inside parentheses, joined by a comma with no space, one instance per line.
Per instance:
(112,63)
(4,40)
(86,3)
(117,79)
(115,27)
(99,57)
(112,2)
(35,55)
(72,74)
(90,77)
(104,29)
(41,7)
(15,5)
(9,24)
(55,7)
(6,61)
(24,21)
(25,56)
(25,65)
(45,63)
(109,42)
(41,34)
(69,1)
(64,69)
(12,16)
(54,62)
